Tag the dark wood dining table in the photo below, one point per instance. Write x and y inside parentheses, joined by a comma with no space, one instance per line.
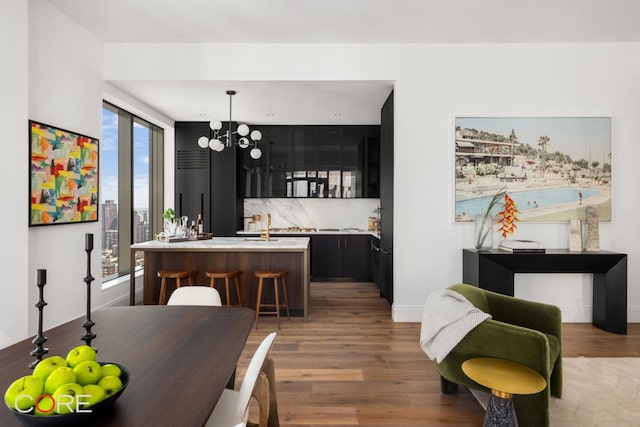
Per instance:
(180,359)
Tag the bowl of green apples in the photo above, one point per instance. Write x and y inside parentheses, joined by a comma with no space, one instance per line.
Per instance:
(65,391)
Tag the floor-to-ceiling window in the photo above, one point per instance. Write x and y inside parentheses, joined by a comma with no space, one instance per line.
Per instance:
(131,171)
(141,150)
(109,191)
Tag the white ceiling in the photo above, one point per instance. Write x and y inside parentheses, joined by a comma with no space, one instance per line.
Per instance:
(331,21)
(357,21)
(265,102)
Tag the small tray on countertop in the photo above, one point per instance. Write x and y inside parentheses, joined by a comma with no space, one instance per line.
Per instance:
(203,236)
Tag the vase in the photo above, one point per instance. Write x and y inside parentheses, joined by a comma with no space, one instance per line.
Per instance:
(169,226)
(483,236)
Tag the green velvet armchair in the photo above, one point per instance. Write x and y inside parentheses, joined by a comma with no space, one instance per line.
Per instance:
(522,331)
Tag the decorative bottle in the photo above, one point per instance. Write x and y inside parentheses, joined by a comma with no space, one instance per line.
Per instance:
(200,224)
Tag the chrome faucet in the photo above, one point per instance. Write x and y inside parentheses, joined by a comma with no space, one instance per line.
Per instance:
(267,235)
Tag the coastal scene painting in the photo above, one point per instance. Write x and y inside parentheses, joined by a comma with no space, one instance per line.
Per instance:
(553,167)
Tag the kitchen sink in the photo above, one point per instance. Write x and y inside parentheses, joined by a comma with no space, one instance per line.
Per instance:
(257,239)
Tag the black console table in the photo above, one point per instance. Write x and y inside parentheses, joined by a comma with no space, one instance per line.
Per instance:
(494,269)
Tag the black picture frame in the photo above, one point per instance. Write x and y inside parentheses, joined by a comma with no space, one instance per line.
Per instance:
(63,176)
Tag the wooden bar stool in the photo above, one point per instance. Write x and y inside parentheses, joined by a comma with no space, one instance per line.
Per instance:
(173,274)
(277,276)
(226,275)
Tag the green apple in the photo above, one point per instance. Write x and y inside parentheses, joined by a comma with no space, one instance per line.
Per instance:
(23,392)
(45,405)
(111,369)
(111,384)
(80,354)
(66,397)
(95,394)
(48,365)
(60,376)
(88,372)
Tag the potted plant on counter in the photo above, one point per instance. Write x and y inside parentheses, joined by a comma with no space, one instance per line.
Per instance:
(169,223)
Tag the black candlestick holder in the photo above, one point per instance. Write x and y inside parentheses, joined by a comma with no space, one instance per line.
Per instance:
(88,324)
(40,339)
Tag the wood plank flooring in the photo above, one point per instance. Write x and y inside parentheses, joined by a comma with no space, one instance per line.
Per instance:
(351,365)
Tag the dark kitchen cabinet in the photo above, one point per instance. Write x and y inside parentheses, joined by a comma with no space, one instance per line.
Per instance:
(192,173)
(386,199)
(374,260)
(267,176)
(329,144)
(326,257)
(227,201)
(206,181)
(353,162)
(385,280)
(315,161)
(355,260)
(372,171)
(279,162)
(340,257)
(386,173)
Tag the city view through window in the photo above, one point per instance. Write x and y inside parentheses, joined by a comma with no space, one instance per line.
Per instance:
(112,176)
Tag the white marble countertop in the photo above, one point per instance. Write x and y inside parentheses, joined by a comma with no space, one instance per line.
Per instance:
(310,233)
(229,243)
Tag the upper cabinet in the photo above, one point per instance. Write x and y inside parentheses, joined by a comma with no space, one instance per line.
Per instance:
(315,161)
(266,177)
(386,173)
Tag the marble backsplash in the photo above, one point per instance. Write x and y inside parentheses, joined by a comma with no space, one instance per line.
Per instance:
(313,213)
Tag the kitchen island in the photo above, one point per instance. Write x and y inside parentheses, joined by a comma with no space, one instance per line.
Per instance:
(246,254)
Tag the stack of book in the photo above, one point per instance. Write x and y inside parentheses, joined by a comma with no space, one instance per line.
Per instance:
(521,247)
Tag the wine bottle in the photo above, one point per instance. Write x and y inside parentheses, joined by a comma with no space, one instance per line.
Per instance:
(200,224)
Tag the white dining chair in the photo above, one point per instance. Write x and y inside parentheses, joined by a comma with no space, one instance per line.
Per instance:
(195,295)
(232,409)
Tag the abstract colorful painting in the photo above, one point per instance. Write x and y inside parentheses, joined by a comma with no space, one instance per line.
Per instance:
(63,176)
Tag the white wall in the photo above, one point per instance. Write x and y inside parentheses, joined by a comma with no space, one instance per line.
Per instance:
(52,73)
(65,83)
(14,112)
(433,85)
(512,80)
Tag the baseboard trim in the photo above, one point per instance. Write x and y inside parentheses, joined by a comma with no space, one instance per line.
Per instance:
(413,313)
(122,301)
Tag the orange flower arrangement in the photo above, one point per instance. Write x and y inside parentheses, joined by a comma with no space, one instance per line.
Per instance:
(507,217)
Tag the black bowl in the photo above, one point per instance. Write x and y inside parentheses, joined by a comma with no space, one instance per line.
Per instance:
(75,418)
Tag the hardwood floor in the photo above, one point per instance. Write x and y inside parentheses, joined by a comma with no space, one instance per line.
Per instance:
(351,365)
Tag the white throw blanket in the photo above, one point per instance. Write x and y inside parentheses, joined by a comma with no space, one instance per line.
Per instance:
(446,319)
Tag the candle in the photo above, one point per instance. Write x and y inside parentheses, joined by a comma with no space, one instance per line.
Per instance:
(88,242)
(41,276)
